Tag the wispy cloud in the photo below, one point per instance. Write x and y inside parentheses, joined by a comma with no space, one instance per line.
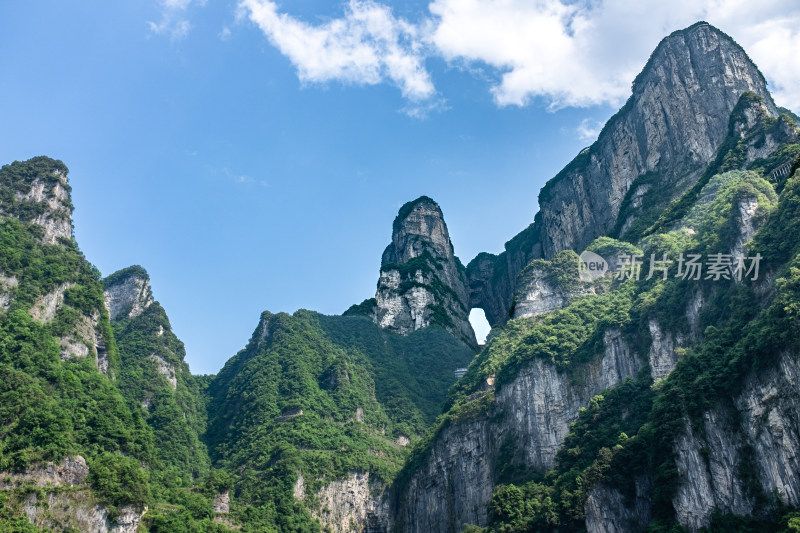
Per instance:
(368,45)
(174,21)
(589,129)
(242,179)
(562,53)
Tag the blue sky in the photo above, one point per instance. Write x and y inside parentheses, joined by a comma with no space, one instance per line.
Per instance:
(207,142)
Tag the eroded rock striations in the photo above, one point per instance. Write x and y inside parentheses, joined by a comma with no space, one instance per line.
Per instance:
(530,416)
(422,282)
(651,151)
(127,292)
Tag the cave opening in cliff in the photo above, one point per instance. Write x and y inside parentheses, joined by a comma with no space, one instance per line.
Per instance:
(477,318)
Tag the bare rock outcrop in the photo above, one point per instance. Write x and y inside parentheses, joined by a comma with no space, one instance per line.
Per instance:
(127,292)
(531,415)
(422,282)
(653,149)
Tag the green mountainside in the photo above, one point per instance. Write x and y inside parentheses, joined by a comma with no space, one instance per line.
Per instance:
(316,398)
(649,400)
(627,433)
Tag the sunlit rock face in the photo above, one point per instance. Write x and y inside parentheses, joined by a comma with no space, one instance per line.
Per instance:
(652,150)
(422,282)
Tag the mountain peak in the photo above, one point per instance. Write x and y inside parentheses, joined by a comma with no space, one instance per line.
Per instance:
(419,225)
(709,56)
(127,292)
(422,282)
(37,192)
(654,149)
(657,145)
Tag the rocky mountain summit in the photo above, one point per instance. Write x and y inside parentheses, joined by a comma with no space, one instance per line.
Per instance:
(655,148)
(622,402)
(127,293)
(422,282)
(37,192)
(668,397)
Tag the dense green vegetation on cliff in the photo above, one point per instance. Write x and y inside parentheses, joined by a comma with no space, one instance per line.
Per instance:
(56,402)
(627,434)
(176,413)
(52,404)
(319,397)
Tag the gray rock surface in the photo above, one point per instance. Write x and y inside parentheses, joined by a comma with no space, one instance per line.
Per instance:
(765,421)
(79,510)
(670,129)
(532,413)
(222,502)
(51,192)
(606,511)
(758,424)
(129,295)
(71,471)
(672,125)
(353,505)
(422,282)
(662,355)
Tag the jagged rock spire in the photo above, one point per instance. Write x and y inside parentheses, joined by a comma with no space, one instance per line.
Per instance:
(422,282)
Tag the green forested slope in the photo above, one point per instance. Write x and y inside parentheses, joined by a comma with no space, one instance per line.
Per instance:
(66,387)
(320,397)
(54,404)
(628,432)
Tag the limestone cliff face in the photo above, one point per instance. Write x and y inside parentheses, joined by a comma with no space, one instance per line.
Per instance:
(353,505)
(78,508)
(37,192)
(422,282)
(763,428)
(652,150)
(606,512)
(63,496)
(530,415)
(127,292)
(757,427)
(671,127)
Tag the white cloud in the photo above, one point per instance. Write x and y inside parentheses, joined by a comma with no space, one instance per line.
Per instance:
(587,53)
(174,21)
(559,52)
(589,129)
(368,45)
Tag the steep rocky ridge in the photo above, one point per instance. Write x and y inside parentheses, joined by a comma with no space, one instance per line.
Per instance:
(76,453)
(422,282)
(671,127)
(64,419)
(37,192)
(651,153)
(522,426)
(154,377)
(652,150)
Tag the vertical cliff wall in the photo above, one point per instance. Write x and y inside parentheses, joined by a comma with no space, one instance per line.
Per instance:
(422,282)
(650,152)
